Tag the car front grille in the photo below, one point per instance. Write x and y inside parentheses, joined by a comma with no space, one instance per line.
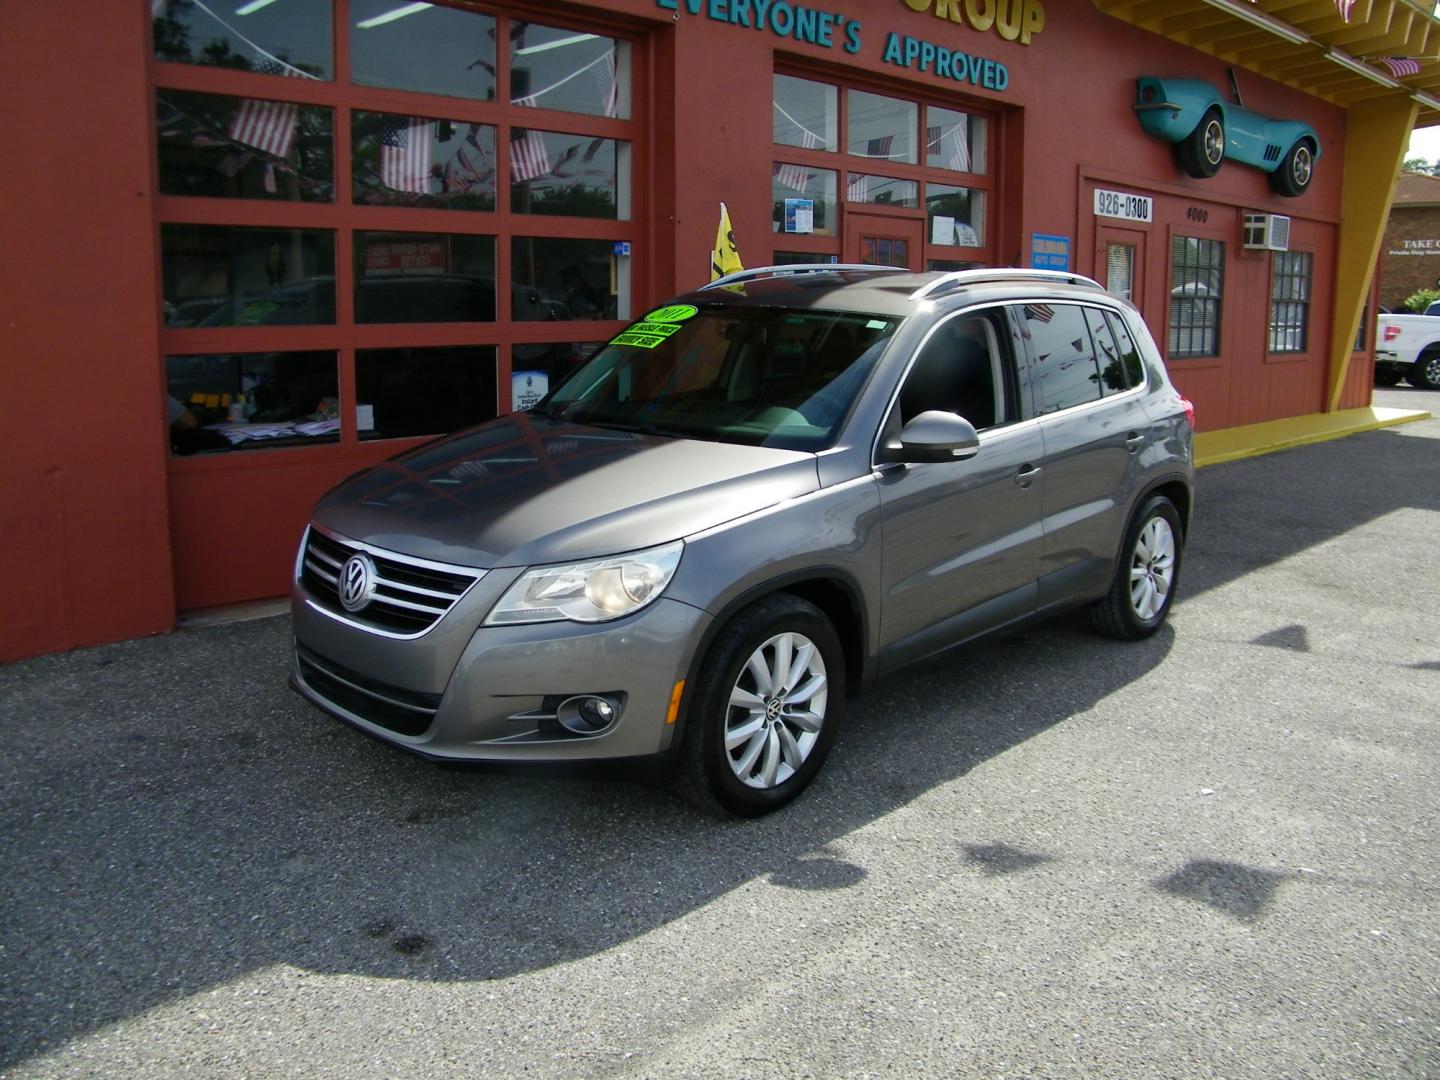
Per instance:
(411,595)
(404,712)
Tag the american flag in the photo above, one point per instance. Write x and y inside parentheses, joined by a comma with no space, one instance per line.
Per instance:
(1039,312)
(1400,65)
(937,137)
(268,126)
(405,153)
(528,159)
(857,187)
(879,147)
(795,177)
(604,73)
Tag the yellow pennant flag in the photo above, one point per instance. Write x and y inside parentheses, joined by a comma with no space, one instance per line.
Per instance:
(725,259)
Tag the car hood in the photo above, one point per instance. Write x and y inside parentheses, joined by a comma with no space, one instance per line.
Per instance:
(525,490)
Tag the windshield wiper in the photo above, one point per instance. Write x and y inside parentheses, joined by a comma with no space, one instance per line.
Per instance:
(638,429)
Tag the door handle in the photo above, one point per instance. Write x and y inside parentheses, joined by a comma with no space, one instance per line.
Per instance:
(1134,441)
(1027,474)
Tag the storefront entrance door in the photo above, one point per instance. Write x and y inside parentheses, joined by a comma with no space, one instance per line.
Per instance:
(1120,263)
(881,240)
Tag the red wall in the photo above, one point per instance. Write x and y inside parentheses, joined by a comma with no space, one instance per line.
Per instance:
(83,526)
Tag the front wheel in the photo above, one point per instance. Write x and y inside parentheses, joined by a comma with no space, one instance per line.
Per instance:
(1295,171)
(768,701)
(1425,372)
(1201,152)
(1145,579)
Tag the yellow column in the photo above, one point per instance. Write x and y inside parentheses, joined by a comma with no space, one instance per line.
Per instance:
(1375,138)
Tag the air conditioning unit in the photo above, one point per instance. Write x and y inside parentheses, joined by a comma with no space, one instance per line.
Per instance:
(1266,232)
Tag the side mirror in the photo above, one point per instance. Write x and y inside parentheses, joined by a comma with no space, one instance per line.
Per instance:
(934,436)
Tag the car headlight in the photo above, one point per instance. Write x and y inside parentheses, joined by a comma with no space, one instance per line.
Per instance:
(592,591)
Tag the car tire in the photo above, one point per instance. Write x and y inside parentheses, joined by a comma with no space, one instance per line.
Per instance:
(1201,152)
(750,746)
(1146,574)
(1386,378)
(1295,171)
(1425,372)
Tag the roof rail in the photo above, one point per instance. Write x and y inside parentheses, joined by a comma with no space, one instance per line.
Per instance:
(787,270)
(957,278)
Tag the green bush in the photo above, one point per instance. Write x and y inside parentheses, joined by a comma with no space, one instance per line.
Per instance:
(1418,302)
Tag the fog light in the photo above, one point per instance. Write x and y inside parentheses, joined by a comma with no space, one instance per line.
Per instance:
(585,714)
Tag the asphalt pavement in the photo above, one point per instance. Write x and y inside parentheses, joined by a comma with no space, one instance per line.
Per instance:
(1210,854)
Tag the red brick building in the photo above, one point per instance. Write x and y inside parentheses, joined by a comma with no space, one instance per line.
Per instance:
(1410,251)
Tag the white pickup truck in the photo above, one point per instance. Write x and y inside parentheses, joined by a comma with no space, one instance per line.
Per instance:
(1408,347)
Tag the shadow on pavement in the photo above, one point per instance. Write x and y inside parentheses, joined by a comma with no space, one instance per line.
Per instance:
(173,817)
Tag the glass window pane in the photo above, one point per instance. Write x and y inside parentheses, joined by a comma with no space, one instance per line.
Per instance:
(569,175)
(955,215)
(536,369)
(430,48)
(955,140)
(806,113)
(1289,301)
(221,275)
(1120,270)
(1065,373)
(794,258)
(1196,283)
(1113,375)
(244,148)
(551,68)
(248,401)
(418,161)
(430,391)
(886,190)
(291,39)
(882,128)
(558,278)
(815,186)
(1129,351)
(424,277)
(952,264)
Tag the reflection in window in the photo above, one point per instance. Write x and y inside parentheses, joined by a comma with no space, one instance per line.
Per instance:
(430,48)
(537,368)
(882,128)
(954,140)
(796,258)
(424,277)
(551,68)
(569,175)
(556,278)
(806,114)
(1065,373)
(284,39)
(815,191)
(1289,300)
(955,215)
(243,148)
(417,161)
(245,401)
(221,275)
(1129,351)
(430,391)
(885,190)
(1196,282)
(1114,376)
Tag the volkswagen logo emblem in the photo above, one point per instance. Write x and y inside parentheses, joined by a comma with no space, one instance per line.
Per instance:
(357,582)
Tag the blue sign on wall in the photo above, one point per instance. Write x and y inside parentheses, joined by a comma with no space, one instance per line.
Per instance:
(1049,252)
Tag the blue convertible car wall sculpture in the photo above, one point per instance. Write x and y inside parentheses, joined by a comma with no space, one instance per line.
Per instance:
(1206,129)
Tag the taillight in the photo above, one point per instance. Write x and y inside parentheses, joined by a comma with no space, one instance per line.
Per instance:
(1189,407)
(1391,333)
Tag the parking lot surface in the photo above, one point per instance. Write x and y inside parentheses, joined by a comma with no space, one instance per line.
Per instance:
(1210,854)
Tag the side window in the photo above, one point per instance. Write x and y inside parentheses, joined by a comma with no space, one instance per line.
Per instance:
(964,368)
(1063,372)
(1129,350)
(1113,377)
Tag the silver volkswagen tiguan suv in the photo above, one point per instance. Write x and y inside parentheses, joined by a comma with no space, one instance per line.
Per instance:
(741,511)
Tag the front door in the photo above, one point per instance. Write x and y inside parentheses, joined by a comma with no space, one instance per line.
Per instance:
(882,240)
(1120,262)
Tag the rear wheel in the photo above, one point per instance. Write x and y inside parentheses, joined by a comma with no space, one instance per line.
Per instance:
(1201,152)
(1144,584)
(768,702)
(1386,377)
(1295,171)
(1425,372)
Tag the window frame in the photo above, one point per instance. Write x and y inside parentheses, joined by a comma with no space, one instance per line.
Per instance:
(1304,306)
(1171,329)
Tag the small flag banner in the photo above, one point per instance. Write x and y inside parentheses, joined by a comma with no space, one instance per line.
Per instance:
(1345,7)
(1400,65)
(725,259)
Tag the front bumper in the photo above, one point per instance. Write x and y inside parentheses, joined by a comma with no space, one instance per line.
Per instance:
(483,704)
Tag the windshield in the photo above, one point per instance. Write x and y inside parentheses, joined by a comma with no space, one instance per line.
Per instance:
(761,376)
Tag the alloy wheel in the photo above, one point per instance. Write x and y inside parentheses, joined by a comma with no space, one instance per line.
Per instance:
(776,710)
(1152,568)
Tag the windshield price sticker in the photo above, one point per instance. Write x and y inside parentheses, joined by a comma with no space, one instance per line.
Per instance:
(646,335)
(673,313)
(1123,205)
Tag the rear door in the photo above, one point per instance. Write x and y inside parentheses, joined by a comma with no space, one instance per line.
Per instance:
(1088,386)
